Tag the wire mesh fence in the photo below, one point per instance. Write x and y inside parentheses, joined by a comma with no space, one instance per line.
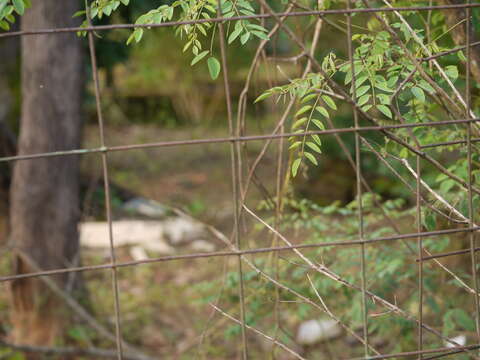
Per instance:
(242,172)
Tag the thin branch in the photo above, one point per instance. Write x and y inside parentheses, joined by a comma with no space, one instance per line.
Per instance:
(258,332)
(71,351)
(330,274)
(74,305)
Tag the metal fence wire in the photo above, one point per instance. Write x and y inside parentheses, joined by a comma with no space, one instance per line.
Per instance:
(240,183)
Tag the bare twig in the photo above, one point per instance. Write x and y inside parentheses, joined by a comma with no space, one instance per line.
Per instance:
(71,351)
(258,332)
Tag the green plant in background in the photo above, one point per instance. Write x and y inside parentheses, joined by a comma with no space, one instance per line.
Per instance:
(389,266)
(392,84)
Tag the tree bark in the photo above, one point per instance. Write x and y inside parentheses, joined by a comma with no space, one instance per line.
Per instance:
(9,48)
(44,196)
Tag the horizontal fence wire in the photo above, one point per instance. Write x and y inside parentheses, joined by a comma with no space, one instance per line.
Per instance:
(163,144)
(235,18)
(243,252)
(235,138)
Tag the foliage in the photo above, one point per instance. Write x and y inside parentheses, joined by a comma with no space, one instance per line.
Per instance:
(8,9)
(390,83)
(388,265)
(195,35)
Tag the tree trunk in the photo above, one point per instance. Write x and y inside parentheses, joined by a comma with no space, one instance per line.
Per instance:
(9,48)
(44,195)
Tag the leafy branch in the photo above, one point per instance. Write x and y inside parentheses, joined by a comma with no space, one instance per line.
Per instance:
(8,9)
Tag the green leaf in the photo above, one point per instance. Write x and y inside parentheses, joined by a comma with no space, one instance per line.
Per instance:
(107,10)
(201,28)
(264,96)
(348,78)
(3,4)
(329,101)
(418,93)
(360,80)
(308,98)
(135,35)
(235,33)
(392,81)
(452,72)
(447,185)
(303,110)
(4,25)
(363,100)
(384,99)
(430,222)
(299,123)
(310,157)
(260,35)
(79,13)
(314,147)
(323,111)
(319,124)
(317,139)
(366,107)
(426,86)
(404,153)
(93,12)
(358,69)
(213,67)
(199,57)
(247,12)
(464,320)
(295,145)
(19,6)
(244,38)
(383,86)
(138,33)
(362,90)
(385,110)
(256,27)
(295,166)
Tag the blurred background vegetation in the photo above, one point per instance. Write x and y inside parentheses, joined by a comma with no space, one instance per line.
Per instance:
(150,93)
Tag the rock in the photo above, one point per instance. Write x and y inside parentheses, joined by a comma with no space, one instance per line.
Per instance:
(159,236)
(138,253)
(181,230)
(202,246)
(460,340)
(314,331)
(146,207)
(147,234)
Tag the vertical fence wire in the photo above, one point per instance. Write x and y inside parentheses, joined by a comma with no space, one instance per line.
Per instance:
(471,213)
(418,205)
(234,163)
(358,176)
(106,183)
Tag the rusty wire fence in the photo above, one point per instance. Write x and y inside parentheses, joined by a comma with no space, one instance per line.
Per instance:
(241,177)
